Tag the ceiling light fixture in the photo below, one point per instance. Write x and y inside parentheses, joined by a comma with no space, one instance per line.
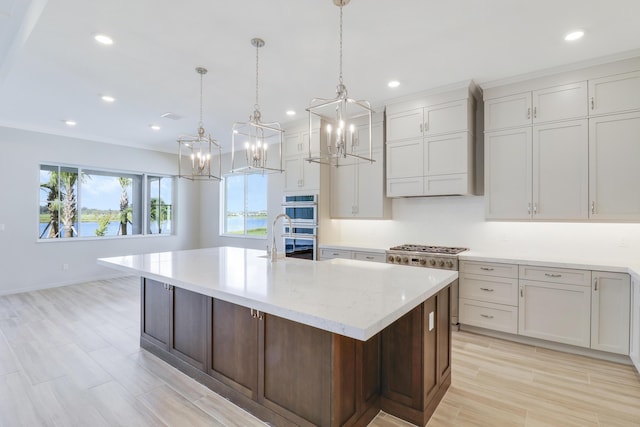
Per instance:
(101,38)
(107,98)
(291,113)
(393,83)
(341,115)
(195,152)
(70,122)
(574,35)
(154,127)
(256,137)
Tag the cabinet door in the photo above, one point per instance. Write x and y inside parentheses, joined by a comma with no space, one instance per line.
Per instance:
(560,170)
(446,118)
(369,198)
(610,304)
(156,312)
(447,154)
(310,176)
(634,351)
(560,103)
(614,175)
(405,159)
(507,112)
(377,139)
(404,125)
(508,174)
(555,312)
(189,324)
(615,94)
(343,191)
(293,180)
(293,144)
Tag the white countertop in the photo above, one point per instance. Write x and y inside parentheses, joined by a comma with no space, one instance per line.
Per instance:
(353,298)
(348,247)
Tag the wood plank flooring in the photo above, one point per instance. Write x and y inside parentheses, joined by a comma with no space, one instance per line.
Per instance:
(70,356)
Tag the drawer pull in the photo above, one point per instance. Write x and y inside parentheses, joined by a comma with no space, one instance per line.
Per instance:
(486,289)
(335,254)
(486,316)
(486,268)
(552,275)
(369,257)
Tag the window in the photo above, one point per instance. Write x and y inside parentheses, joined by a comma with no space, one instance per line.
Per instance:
(76,202)
(245,205)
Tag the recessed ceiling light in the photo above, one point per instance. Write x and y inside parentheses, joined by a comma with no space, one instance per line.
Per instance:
(393,83)
(574,35)
(154,127)
(107,98)
(70,122)
(101,38)
(291,113)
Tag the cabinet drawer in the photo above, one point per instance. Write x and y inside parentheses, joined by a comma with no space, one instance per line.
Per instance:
(369,256)
(489,268)
(491,316)
(556,275)
(330,253)
(496,290)
(404,187)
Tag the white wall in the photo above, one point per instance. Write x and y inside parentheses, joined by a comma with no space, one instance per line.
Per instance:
(27,264)
(459,221)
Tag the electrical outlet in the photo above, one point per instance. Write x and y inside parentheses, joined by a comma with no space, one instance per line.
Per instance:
(65,267)
(431,321)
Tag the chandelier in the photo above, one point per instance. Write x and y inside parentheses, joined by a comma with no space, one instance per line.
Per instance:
(196,152)
(255,139)
(343,119)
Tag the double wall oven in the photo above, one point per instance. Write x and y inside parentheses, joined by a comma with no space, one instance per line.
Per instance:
(301,240)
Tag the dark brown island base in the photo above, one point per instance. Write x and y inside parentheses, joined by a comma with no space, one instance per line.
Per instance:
(291,374)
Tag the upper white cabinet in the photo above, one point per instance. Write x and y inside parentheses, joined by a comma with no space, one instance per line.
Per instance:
(610,303)
(301,175)
(614,94)
(556,103)
(614,175)
(358,189)
(430,144)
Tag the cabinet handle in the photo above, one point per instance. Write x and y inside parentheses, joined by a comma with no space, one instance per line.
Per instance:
(486,316)
(552,275)
(486,289)
(529,209)
(426,126)
(369,257)
(335,254)
(595,285)
(529,113)
(593,104)
(593,207)
(521,293)
(535,208)
(421,129)
(535,112)
(486,268)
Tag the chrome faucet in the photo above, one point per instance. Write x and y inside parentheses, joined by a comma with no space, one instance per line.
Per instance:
(274,250)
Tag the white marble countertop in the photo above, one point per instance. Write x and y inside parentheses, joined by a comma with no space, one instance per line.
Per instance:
(357,299)
(348,247)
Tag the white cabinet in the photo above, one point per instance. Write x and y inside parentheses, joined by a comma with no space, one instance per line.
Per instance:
(634,348)
(489,295)
(330,252)
(614,94)
(614,176)
(556,103)
(358,189)
(430,150)
(537,173)
(555,305)
(301,175)
(610,303)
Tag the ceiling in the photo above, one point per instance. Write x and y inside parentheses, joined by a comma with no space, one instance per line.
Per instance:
(52,70)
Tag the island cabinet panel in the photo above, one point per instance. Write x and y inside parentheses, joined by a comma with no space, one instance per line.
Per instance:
(155,312)
(234,347)
(416,360)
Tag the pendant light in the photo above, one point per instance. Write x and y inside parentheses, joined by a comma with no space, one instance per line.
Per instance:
(342,120)
(259,144)
(196,152)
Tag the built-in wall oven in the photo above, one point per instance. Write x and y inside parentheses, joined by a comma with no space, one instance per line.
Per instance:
(441,257)
(301,240)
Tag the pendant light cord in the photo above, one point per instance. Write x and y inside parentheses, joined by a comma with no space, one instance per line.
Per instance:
(257,105)
(200,124)
(340,80)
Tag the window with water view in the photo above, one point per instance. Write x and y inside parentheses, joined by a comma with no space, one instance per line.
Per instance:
(245,205)
(76,202)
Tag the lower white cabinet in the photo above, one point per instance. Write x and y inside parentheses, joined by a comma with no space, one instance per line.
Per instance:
(328,252)
(610,303)
(555,311)
(634,348)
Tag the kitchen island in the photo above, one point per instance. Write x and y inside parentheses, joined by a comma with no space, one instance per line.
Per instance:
(299,342)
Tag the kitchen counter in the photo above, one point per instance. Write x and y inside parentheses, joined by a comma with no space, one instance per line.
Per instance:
(351,298)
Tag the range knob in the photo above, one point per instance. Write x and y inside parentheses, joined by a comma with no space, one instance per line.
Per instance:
(390,258)
(450,264)
(441,263)
(423,261)
(432,262)
(405,260)
(398,259)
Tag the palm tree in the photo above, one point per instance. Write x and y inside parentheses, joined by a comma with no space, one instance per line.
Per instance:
(159,212)
(124,205)
(53,205)
(69,206)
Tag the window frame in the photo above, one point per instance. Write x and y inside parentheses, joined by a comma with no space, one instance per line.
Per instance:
(144,197)
(223,209)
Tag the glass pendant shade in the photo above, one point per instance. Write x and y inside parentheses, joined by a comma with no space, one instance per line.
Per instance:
(199,156)
(256,147)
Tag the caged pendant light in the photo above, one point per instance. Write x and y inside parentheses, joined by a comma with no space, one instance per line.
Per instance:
(196,152)
(260,142)
(342,118)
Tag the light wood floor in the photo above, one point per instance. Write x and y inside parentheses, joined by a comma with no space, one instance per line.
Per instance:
(70,357)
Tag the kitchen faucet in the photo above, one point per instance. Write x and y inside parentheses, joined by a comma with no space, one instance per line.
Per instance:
(274,250)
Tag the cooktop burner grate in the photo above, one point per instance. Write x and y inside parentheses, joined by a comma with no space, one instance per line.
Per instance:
(429,249)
